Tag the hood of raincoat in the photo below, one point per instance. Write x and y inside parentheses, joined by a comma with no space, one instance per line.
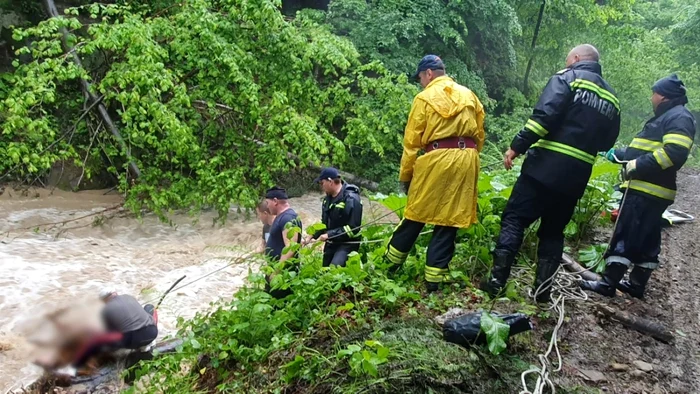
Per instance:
(445,97)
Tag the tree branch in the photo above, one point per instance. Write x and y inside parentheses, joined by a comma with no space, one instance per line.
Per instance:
(365,183)
(87,90)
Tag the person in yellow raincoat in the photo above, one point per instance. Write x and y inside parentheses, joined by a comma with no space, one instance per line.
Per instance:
(447,123)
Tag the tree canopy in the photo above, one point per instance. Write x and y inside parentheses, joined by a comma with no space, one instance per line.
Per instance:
(215,98)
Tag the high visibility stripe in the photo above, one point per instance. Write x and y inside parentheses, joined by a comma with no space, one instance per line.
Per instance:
(536,128)
(652,265)
(662,158)
(650,188)
(645,144)
(602,93)
(437,270)
(349,232)
(436,275)
(678,139)
(340,205)
(395,256)
(566,149)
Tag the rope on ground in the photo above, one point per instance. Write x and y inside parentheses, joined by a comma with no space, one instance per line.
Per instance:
(564,286)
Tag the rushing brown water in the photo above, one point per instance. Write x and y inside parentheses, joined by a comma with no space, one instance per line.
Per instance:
(41,271)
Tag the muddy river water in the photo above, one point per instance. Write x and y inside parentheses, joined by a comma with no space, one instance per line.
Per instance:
(41,271)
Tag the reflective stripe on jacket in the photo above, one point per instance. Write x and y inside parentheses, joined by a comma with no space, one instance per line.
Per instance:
(576,116)
(342,215)
(660,150)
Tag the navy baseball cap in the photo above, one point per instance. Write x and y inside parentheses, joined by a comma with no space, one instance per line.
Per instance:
(327,173)
(276,192)
(429,62)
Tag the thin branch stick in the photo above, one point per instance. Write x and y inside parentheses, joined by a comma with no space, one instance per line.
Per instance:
(87,154)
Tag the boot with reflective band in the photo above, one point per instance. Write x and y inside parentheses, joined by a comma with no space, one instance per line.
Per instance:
(637,283)
(611,277)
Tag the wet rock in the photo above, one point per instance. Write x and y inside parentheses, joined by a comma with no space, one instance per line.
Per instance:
(619,367)
(592,375)
(643,366)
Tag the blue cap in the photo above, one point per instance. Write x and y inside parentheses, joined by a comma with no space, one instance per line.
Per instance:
(429,62)
(328,173)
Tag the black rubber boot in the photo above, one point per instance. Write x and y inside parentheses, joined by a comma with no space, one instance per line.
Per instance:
(637,283)
(502,262)
(432,287)
(611,277)
(546,268)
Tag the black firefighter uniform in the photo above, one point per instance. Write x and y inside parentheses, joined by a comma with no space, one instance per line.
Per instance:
(577,116)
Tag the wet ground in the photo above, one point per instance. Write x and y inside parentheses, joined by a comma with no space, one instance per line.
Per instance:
(593,342)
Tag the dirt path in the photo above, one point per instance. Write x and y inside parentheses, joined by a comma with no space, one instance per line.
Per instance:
(592,342)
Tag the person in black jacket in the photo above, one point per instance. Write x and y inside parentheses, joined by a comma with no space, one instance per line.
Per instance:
(651,160)
(342,215)
(576,116)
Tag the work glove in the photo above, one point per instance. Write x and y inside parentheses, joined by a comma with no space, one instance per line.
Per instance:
(610,155)
(405,186)
(630,169)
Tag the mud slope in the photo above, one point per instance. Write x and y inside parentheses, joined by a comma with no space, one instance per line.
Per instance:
(593,342)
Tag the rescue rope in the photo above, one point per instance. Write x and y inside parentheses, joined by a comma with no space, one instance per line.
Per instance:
(564,286)
(371,241)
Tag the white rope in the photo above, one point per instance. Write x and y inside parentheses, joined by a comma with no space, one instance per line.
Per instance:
(564,286)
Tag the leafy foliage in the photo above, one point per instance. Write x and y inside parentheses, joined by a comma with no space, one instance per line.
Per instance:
(206,130)
(471,36)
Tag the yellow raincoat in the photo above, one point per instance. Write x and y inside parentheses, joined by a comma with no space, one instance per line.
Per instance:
(443,187)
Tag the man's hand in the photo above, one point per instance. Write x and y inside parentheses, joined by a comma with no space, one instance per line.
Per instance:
(630,169)
(405,186)
(307,240)
(508,158)
(323,238)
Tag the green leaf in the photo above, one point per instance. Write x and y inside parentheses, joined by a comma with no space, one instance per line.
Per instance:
(195,344)
(496,332)
(370,368)
(383,353)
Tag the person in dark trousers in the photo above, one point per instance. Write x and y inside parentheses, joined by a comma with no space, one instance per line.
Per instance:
(285,220)
(653,159)
(342,215)
(577,116)
(447,123)
(128,326)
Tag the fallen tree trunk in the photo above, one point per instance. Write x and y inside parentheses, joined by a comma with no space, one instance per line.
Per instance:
(645,326)
(572,266)
(87,91)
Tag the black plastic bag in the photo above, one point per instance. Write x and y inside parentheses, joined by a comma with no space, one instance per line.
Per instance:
(466,330)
